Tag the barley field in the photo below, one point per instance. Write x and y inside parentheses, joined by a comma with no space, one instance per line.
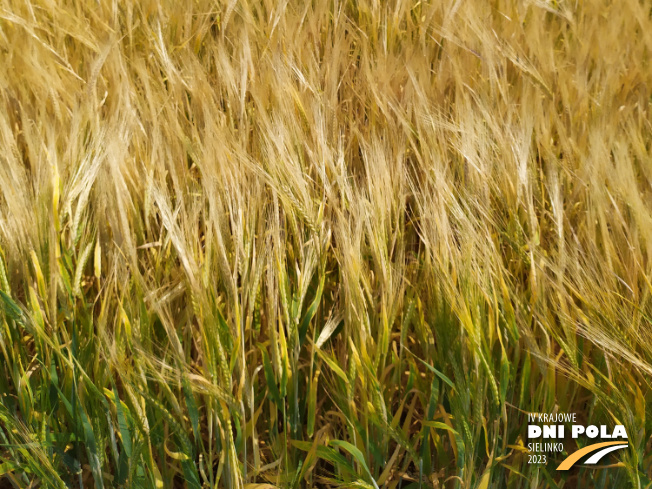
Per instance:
(330,243)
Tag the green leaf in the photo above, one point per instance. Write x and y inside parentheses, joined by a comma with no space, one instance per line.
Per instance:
(123,426)
(357,455)
(192,407)
(333,365)
(91,448)
(434,370)
(312,404)
(272,388)
(9,467)
(436,424)
(12,309)
(310,313)
(328,454)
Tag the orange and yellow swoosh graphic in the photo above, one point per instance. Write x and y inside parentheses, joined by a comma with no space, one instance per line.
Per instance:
(574,457)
